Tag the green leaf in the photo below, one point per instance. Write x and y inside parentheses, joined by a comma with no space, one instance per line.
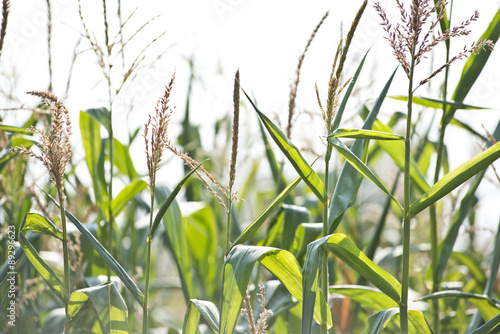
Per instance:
(126,195)
(364,134)
(15,129)
(237,269)
(166,204)
(293,155)
(486,305)
(396,149)
(487,327)
(176,231)
(40,224)
(349,180)
(435,104)
(102,116)
(208,311)
(257,223)
(365,295)
(122,160)
(360,166)
(106,304)
(293,216)
(345,250)
(455,178)
(377,321)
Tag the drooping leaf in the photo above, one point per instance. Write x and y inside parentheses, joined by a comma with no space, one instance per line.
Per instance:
(126,195)
(101,115)
(455,178)
(293,155)
(123,161)
(436,104)
(489,326)
(207,310)
(360,166)
(379,320)
(106,305)
(40,224)
(367,296)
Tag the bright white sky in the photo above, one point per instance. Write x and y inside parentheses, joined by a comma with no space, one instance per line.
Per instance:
(262,38)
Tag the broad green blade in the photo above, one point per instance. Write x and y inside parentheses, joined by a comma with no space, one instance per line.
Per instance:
(396,150)
(126,195)
(208,311)
(489,326)
(293,216)
(366,296)
(90,130)
(257,223)
(102,116)
(105,302)
(176,232)
(203,237)
(435,104)
(349,180)
(305,234)
(123,161)
(377,321)
(344,249)
(360,166)
(293,155)
(455,178)
(15,129)
(488,307)
(237,270)
(105,255)
(166,204)
(343,104)
(364,134)
(476,62)
(37,223)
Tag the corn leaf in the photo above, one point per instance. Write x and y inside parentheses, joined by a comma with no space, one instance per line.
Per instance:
(365,295)
(435,104)
(126,195)
(455,178)
(379,320)
(15,129)
(345,250)
(293,155)
(360,166)
(257,223)
(364,134)
(207,310)
(122,160)
(40,224)
(102,303)
(237,269)
(489,326)
(102,116)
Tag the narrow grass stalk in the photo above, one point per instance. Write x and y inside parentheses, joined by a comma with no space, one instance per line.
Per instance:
(145,310)
(67,278)
(324,269)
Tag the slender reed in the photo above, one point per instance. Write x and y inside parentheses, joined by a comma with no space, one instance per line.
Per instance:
(3,27)
(234,153)
(156,139)
(410,48)
(49,42)
(55,147)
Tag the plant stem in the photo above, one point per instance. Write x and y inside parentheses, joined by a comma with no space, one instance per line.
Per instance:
(403,309)
(145,311)
(229,208)
(67,283)
(324,269)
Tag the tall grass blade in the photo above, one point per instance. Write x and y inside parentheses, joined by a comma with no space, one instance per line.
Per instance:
(126,195)
(123,160)
(293,155)
(366,296)
(348,182)
(455,178)
(489,326)
(435,104)
(379,320)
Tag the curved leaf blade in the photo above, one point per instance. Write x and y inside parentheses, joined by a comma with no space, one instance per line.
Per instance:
(365,295)
(455,178)
(377,321)
(126,195)
(207,310)
(434,103)
(364,134)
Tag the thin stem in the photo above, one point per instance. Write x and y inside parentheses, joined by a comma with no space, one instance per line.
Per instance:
(145,307)
(324,270)
(229,208)
(67,283)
